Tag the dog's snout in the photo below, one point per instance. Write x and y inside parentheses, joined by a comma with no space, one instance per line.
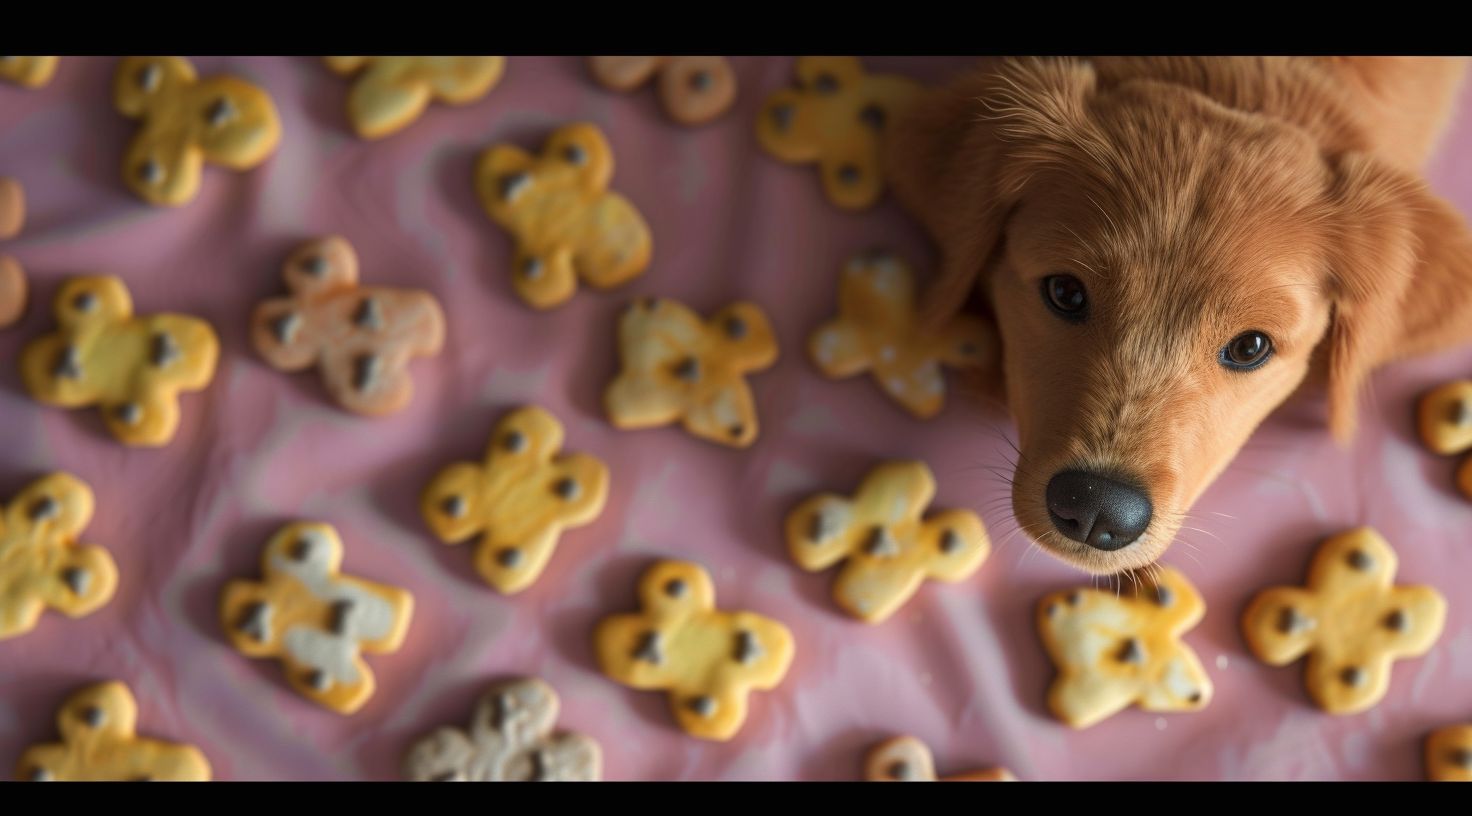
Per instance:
(1098,511)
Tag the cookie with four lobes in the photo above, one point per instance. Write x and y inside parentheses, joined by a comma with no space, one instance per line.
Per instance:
(184,122)
(41,563)
(836,117)
(907,759)
(389,93)
(510,739)
(1445,423)
(12,275)
(675,367)
(519,500)
(888,549)
(317,621)
(692,90)
(100,743)
(360,338)
(1351,620)
(565,221)
(1113,650)
(705,659)
(1449,754)
(132,367)
(878,330)
(28,72)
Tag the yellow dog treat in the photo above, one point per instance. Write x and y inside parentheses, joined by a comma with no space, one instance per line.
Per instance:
(707,660)
(1350,620)
(877,330)
(361,338)
(518,501)
(888,549)
(28,72)
(907,759)
(1449,754)
(12,275)
(41,563)
(391,92)
(1116,650)
(100,743)
(510,739)
(186,121)
(132,367)
(1445,423)
(566,223)
(676,367)
(836,117)
(315,620)
(693,90)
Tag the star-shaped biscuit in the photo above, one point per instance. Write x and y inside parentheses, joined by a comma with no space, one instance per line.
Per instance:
(12,275)
(41,563)
(100,743)
(907,759)
(389,93)
(1445,424)
(28,72)
(692,90)
(1449,754)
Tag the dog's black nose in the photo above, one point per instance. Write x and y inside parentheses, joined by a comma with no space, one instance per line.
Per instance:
(1096,510)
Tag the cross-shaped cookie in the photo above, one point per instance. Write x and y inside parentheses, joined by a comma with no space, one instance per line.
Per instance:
(907,759)
(12,275)
(100,743)
(1350,619)
(391,92)
(1449,754)
(706,660)
(317,621)
(1445,423)
(692,90)
(28,72)
(41,563)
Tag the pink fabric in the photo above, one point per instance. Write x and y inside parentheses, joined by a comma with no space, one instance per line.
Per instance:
(960,666)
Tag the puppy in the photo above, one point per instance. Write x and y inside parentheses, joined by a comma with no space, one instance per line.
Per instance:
(1169,247)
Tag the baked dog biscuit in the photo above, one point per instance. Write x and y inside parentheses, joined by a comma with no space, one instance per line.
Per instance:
(1350,620)
(100,743)
(907,759)
(12,275)
(132,367)
(41,563)
(877,330)
(707,660)
(186,121)
(1449,754)
(1114,650)
(391,92)
(566,223)
(315,620)
(887,548)
(692,90)
(836,117)
(361,338)
(518,501)
(1445,423)
(28,72)
(676,367)
(510,740)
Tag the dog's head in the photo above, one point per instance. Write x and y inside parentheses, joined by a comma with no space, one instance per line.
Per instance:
(1164,271)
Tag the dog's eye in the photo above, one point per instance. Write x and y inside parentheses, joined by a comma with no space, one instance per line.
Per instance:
(1066,296)
(1246,351)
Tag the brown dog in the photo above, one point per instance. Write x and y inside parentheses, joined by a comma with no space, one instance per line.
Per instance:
(1169,247)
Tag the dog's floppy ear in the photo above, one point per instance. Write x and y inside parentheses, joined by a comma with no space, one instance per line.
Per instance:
(959,158)
(1400,276)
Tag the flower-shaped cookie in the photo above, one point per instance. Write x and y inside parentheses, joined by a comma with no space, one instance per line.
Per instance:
(706,659)
(1350,619)
(836,117)
(519,500)
(889,550)
(12,275)
(566,223)
(28,72)
(133,367)
(1445,424)
(1117,649)
(877,330)
(41,563)
(1449,754)
(100,743)
(391,92)
(676,367)
(907,759)
(510,740)
(361,338)
(185,122)
(317,621)
(693,90)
